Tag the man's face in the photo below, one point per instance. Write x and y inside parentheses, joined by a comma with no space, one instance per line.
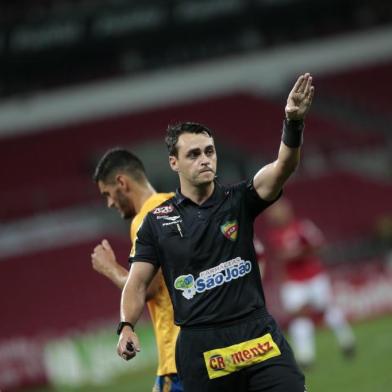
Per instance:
(116,198)
(196,158)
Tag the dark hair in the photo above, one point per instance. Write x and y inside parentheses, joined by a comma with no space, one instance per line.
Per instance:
(119,159)
(174,131)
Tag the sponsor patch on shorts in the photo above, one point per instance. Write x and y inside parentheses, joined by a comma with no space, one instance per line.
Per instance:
(224,361)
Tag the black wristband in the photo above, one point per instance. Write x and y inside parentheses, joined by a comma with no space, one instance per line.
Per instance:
(292,135)
(122,324)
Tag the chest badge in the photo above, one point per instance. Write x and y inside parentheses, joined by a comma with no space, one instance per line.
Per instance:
(230,230)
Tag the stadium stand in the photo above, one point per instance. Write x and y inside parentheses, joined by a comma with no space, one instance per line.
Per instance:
(56,291)
(367,87)
(56,165)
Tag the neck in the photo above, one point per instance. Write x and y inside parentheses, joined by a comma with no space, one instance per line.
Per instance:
(198,194)
(143,193)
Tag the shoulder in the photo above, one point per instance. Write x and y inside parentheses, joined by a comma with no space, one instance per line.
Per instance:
(166,206)
(237,187)
(162,197)
(160,211)
(156,200)
(157,204)
(242,190)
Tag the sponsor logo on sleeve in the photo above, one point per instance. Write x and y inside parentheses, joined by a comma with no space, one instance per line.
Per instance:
(214,277)
(168,218)
(230,230)
(224,361)
(161,214)
(164,210)
(171,220)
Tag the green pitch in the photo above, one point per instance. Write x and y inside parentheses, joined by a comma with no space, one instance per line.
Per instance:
(369,371)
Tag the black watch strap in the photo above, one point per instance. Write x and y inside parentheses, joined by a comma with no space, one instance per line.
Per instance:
(122,324)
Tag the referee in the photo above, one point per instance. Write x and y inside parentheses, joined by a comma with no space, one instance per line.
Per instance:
(202,238)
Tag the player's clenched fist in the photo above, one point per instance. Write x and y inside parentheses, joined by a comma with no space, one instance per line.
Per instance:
(103,258)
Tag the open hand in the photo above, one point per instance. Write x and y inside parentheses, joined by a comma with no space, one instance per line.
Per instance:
(300,98)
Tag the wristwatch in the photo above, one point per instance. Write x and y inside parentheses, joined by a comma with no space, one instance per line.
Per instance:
(122,324)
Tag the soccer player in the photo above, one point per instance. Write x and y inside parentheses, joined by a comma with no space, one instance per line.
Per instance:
(202,238)
(306,288)
(122,180)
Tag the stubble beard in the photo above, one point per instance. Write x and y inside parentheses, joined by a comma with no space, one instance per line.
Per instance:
(203,183)
(124,207)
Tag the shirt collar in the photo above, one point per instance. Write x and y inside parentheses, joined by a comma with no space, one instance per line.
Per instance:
(217,195)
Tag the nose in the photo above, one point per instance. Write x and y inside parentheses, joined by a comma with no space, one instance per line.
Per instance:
(110,202)
(205,160)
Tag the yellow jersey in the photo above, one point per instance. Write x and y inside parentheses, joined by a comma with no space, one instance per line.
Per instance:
(160,307)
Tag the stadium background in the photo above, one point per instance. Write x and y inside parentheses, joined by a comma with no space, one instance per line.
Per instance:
(80,76)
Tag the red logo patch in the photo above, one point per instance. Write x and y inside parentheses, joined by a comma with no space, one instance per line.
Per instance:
(230,230)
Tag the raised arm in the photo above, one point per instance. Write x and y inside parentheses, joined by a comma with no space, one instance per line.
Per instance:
(132,303)
(270,179)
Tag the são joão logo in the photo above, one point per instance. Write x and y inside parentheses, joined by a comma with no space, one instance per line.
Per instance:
(208,280)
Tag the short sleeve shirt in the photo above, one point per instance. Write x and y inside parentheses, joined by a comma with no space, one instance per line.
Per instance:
(206,253)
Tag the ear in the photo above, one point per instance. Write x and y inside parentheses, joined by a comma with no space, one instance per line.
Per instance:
(121,180)
(173,162)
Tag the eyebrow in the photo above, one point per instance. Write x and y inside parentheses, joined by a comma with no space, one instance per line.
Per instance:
(192,150)
(197,149)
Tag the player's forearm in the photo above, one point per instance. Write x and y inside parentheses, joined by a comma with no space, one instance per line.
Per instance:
(269,181)
(286,163)
(118,275)
(132,301)
(289,150)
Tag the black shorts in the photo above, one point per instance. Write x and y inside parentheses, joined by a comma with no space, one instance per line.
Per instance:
(248,355)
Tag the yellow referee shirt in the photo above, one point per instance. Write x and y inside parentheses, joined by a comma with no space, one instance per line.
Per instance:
(160,307)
